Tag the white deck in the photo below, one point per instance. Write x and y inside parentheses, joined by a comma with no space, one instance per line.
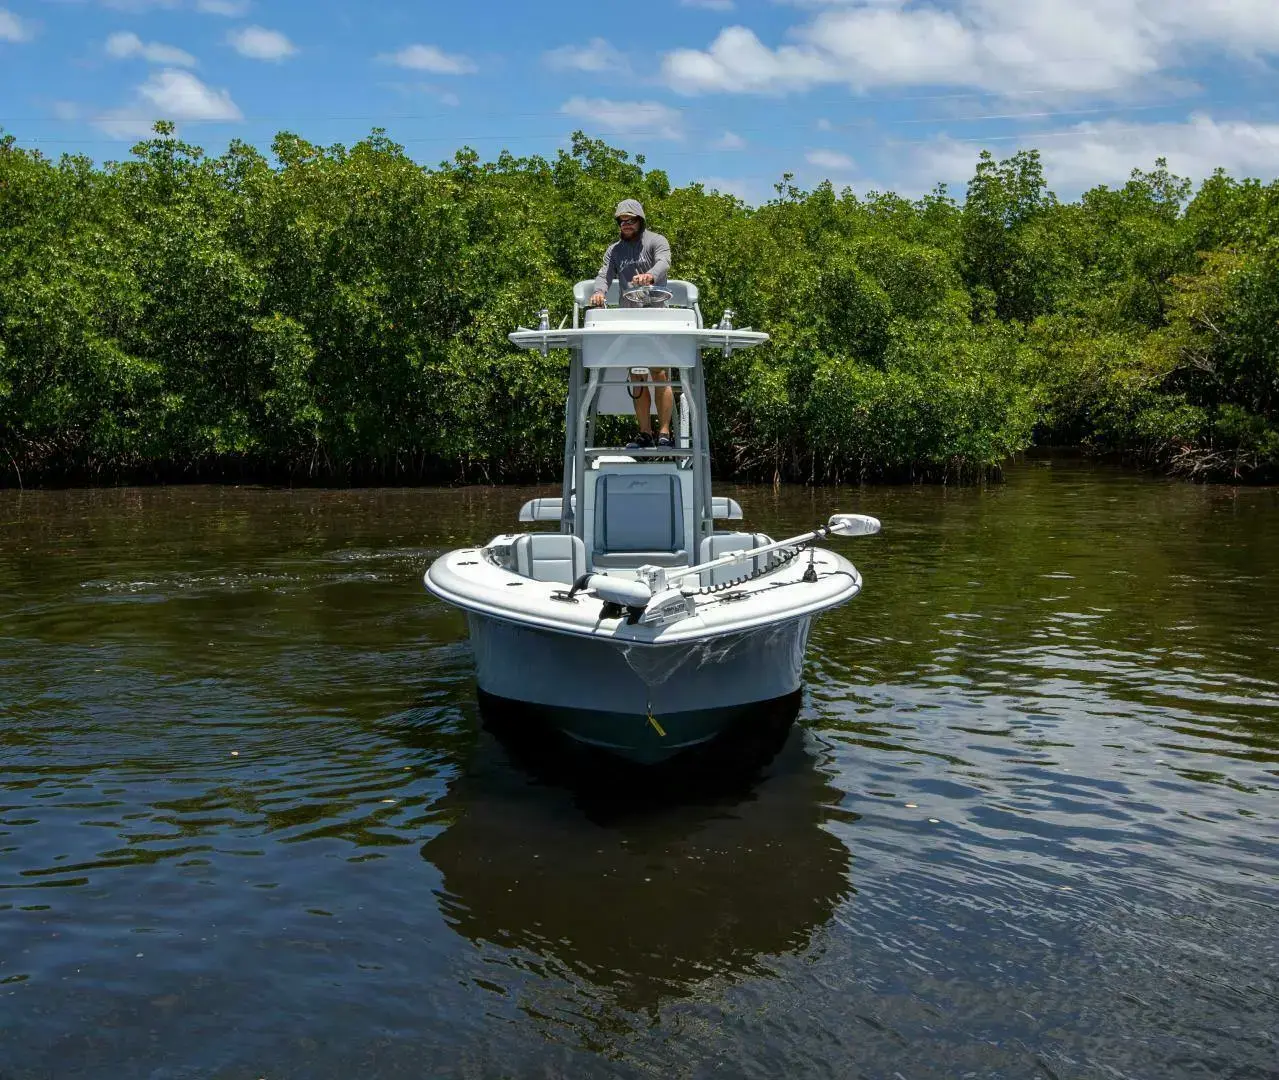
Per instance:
(474,583)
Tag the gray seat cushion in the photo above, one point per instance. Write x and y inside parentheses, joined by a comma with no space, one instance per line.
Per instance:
(549,557)
(628,560)
(638,512)
(721,543)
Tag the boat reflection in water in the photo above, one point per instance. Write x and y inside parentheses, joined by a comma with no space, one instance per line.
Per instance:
(617,883)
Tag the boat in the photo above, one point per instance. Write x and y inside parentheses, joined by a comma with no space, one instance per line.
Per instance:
(635,623)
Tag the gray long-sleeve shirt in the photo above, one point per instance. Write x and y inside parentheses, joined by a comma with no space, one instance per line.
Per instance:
(650,253)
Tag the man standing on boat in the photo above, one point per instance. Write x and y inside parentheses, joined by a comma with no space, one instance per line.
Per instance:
(638,258)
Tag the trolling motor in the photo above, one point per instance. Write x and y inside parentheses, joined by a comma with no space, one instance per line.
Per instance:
(619,595)
(633,596)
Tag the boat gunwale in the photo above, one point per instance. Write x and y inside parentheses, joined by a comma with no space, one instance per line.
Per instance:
(688,630)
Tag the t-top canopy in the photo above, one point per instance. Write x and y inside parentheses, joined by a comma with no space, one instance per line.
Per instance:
(637,337)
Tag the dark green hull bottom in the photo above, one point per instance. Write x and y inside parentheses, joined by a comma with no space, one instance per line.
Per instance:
(639,739)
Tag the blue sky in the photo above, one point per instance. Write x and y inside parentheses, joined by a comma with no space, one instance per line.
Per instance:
(885,94)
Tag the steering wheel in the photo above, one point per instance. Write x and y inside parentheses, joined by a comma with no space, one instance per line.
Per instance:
(647,296)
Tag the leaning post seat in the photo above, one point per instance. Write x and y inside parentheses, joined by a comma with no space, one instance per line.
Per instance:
(549,557)
(683,294)
(639,518)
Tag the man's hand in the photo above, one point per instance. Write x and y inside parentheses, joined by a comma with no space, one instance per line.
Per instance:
(641,279)
(597,300)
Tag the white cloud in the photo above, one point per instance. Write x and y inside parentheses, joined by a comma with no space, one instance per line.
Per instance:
(596,55)
(741,188)
(1082,156)
(737,61)
(730,140)
(1106,153)
(829,159)
(231,9)
(170,94)
(14,29)
(179,95)
(1248,27)
(626,117)
(878,46)
(444,97)
(259,43)
(843,3)
(127,46)
(1093,46)
(123,123)
(430,58)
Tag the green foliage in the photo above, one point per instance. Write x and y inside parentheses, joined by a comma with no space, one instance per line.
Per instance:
(1006,200)
(340,313)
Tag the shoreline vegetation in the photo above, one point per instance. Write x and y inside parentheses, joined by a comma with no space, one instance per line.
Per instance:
(339,315)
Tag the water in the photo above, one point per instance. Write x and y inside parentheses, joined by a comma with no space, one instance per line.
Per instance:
(1026,824)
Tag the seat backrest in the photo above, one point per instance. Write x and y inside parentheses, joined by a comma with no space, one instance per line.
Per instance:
(544,509)
(638,511)
(584,290)
(721,543)
(549,557)
(683,293)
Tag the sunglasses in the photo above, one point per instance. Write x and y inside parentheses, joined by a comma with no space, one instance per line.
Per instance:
(628,221)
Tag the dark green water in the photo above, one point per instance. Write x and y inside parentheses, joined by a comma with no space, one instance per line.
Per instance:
(1027,823)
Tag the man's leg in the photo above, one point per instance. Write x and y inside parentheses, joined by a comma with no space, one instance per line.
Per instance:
(665,401)
(644,404)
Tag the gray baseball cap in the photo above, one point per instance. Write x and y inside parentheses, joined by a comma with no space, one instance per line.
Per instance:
(629,206)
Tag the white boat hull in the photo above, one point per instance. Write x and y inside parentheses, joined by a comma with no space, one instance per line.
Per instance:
(642,691)
(641,701)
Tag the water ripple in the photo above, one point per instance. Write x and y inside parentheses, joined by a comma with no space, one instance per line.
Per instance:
(251,823)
